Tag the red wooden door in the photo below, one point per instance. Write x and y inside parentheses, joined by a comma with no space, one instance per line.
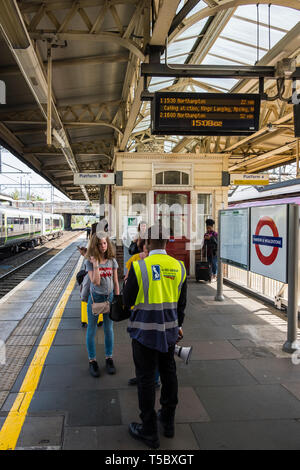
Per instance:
(173,208)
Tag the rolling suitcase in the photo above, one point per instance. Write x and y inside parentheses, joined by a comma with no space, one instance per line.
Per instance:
(203,270)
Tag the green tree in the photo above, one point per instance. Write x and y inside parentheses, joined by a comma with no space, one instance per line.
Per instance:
(15,195)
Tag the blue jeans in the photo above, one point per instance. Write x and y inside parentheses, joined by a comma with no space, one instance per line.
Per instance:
(213,261)
(92,328)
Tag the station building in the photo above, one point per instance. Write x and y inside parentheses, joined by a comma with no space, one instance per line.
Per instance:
(154,182)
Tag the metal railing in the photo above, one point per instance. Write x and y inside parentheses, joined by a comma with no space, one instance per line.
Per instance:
(272,290)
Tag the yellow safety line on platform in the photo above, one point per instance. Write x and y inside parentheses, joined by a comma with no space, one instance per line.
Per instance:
(10,431)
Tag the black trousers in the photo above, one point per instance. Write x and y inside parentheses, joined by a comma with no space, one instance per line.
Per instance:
(146,362)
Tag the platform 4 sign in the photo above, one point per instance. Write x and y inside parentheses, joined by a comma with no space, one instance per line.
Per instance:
(249,180)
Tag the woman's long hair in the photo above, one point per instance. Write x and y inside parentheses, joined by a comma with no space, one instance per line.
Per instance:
(93,247)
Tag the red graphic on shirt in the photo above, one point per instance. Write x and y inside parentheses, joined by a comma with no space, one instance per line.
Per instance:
(105,272)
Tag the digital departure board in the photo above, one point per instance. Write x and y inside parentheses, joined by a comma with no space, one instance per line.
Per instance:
(204,113)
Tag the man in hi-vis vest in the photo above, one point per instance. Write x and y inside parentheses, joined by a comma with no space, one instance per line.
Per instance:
(156,289)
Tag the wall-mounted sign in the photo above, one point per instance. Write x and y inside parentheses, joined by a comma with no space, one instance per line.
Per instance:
(204,113)
(94,178)
(234,240)
(248,180)
(268,241)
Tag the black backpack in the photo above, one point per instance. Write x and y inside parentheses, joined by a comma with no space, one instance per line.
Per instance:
(80,275)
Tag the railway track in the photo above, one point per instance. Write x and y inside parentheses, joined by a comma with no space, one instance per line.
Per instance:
(19,273)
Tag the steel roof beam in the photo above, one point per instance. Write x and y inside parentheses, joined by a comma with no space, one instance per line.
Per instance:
(84,36)
(258,158)
(212,71)
(81,61)
(34,6)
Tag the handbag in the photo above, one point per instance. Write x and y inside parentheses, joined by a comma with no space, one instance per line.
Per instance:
(100,307)
(118,311)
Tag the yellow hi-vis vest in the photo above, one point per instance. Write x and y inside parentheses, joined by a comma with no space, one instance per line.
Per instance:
(154,321)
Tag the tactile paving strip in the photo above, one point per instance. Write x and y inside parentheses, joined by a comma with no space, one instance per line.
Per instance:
(3,396)
(19,344)
(21,340)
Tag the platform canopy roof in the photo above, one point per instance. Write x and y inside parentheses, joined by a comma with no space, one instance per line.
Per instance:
(72,71)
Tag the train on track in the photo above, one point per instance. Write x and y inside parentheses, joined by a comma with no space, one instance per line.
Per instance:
(24,228)
(284,192)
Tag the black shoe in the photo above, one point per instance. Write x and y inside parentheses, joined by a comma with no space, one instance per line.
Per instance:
(83,324)
(169,428)
(110,366)
(136,431)
(100,324)
(94,369)
(132,381)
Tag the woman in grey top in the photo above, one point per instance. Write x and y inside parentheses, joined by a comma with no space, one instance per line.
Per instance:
(103,272)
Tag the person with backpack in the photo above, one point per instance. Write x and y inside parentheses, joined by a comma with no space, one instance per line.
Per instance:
(102,270)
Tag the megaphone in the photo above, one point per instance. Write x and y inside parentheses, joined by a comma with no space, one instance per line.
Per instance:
(183,353)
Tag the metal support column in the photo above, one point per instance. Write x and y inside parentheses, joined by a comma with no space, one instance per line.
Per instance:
(49,98)
(292,311)
(101,201)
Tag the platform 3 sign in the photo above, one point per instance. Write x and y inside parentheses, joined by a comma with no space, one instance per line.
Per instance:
(268,241)
(94,178)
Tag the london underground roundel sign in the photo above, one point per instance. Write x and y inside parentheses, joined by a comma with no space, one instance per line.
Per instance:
(274,241)
(268,243)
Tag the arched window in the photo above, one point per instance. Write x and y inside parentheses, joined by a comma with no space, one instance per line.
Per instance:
(172,177)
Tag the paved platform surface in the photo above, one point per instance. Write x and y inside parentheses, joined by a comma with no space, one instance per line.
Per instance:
(239,391)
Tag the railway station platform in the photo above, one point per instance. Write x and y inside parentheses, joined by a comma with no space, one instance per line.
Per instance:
(239,390)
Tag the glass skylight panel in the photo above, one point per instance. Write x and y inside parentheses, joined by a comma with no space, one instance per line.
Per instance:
(201,86)
(159,84)
(233,50)
(142,126)
(223,83)
(214,59)
(247,32)
(176,48)
(193,30)
(282,17)
(179,59)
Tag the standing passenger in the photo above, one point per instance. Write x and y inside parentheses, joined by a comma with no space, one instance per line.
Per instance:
(103,272)
(88,231)
(211,247)
(156,287)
